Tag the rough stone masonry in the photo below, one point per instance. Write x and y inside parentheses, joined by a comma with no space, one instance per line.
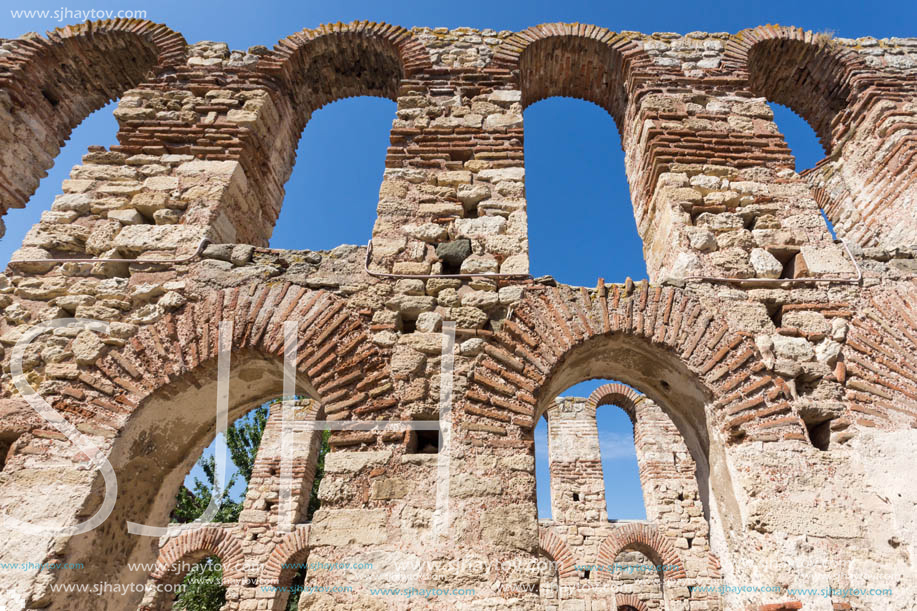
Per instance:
(771,370)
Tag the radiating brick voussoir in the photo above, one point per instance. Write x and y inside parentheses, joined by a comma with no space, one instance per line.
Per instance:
(680,325)
(332,344)
(774,57)
(291,549)
(881,387)
(629,600)
(412,56)
(558,550)
(52,83)
(549,60)
(193,545)
(646,539)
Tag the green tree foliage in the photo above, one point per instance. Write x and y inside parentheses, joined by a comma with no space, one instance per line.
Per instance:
(203,589)
(314,502)
(242,441)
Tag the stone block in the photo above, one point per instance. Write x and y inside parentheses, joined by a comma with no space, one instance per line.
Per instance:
(352,462)
(349,527)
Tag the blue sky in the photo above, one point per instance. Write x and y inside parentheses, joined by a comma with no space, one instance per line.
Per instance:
(580,220)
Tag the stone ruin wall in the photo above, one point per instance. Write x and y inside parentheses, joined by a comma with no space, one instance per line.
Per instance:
(774,423)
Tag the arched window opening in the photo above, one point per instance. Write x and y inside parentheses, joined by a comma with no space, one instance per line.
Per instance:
(621,474)
(99,128)
(586,468)
(581,220)
(296,589)
(243,438)
(339,166)
(203,588)
(243,441)
(803,142)
(635,575)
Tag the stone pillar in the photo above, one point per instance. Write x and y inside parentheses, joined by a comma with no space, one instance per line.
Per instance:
(263,500)
(453,196)
(715,193)
(575,461)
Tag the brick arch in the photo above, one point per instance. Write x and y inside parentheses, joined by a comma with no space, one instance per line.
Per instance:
(334,350)
(616,394)
(291,53)
(125,393)
(510,380)
(881,387)
(856,111)
(805,71)
(48,85)
(573,60)
(623,601)
(558,550)
(292,548)
(195,545)
(645,539)
(316,67)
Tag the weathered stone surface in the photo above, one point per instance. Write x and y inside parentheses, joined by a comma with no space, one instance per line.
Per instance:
(140,238)
(349,527)
(351,462)
(786,408)
(766,265)
(87,347)
(454,252)
(507,527)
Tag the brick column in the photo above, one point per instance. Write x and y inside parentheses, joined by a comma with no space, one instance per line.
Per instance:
(575,461)
(715,193)
(453,196)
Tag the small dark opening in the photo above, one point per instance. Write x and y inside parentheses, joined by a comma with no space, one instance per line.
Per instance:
(460,155)
(576,496)
(5,444)
(586,574)
(665,385)
(269,505)
(52,99)
(820,434)
(690,542)
(296,588)
(408,326)
(774,310)
(681,496)
(427,443)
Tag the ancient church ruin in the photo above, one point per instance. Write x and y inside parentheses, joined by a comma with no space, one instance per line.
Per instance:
(770,370)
